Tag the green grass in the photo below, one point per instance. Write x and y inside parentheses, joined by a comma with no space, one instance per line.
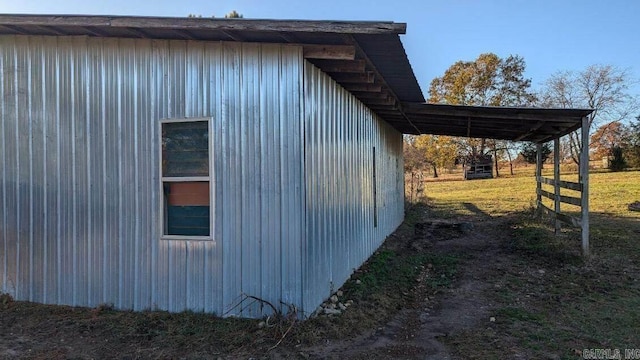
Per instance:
(610,193)
(550,302)
(388,271)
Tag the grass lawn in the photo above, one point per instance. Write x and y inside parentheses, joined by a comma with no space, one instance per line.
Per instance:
(550,302)
(610,193)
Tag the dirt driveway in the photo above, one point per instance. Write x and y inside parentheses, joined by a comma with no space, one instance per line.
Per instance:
(419,330)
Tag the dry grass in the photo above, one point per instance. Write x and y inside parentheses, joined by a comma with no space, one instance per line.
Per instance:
(610,193)
(550,302)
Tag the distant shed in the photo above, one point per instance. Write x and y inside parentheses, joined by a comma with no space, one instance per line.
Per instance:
(478,167)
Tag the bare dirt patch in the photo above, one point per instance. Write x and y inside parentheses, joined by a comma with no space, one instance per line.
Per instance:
(418,329)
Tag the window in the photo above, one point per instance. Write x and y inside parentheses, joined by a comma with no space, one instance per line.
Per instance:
(375,191)
(185,173)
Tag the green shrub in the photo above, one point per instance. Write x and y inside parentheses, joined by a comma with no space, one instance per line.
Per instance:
(618,162)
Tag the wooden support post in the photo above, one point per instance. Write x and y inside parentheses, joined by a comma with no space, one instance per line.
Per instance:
(538,178)
(584,180)
(556,178)
(329,52)
(375,88)
(344,66)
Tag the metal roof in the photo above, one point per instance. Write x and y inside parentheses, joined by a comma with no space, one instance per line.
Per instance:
(507,123)
(365,57)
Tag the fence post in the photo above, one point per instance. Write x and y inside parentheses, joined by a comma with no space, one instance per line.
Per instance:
(584,180)
(556,186)
(538,178)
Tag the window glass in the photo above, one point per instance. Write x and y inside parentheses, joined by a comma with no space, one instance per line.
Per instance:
(187,208)
(185,149)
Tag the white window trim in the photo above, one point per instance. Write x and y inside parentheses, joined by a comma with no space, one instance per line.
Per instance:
(164,179)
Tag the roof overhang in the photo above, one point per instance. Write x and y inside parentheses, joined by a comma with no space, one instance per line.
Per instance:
(507,123)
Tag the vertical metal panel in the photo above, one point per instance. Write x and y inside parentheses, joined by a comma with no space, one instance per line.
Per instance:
(292,177)
(23,171)
(231,212)
(213,56)
(10,183)
(95,236)
(80,186)
(340,134)
(3,174)
(52,152)
(111,79)
(270,177)
(82,196)
(36,218)
(250,175)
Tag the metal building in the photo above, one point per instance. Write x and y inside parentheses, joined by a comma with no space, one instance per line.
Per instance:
(189,163)
(172,163)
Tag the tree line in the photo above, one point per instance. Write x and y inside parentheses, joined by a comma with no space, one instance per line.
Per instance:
(230,15)
(493,81)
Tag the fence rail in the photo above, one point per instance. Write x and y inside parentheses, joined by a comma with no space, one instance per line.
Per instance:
(562,183)
(567,219)
(565,199)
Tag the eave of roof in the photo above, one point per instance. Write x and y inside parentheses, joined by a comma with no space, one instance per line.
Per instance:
(204,24)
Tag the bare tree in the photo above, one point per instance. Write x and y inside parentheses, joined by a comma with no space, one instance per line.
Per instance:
(603,88)
(502,150)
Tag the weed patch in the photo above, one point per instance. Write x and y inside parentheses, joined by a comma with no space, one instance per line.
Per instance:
(519,314)
(392,272)
(5,300)
(535,241)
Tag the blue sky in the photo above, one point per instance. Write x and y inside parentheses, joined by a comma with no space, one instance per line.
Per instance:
(550,35)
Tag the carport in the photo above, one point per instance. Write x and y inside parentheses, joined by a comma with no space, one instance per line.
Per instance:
(538,125)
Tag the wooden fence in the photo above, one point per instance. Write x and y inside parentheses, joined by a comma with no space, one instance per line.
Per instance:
(582,187)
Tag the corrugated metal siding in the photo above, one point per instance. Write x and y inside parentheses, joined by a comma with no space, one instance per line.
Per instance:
(80,181)
(340,135)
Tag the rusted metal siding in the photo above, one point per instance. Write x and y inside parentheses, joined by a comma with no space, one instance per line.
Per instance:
(340,136)
(80,187)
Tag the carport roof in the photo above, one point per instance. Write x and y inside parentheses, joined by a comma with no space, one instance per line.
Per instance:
(366,58)
(507,123)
